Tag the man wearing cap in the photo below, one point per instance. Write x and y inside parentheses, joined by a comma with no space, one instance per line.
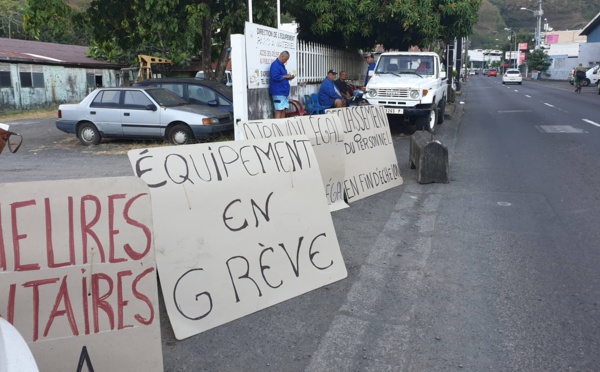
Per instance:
(279,85)
(371,69)
(329,96)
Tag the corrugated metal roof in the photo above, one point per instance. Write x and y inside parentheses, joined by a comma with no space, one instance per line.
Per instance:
(15,50)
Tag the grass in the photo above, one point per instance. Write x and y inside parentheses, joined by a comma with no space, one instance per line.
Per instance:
(32,114)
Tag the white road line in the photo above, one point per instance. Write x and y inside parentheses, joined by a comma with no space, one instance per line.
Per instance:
(591,122)
(528,96)
(516,91)
(547,104)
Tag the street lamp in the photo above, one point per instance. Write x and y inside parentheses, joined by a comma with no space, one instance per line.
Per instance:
(515,42)
(538,31)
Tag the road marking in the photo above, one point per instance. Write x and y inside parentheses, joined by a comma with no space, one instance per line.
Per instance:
(516,91)
(511,111)
(591,122)
(528,96)
(547,104)
(559,129)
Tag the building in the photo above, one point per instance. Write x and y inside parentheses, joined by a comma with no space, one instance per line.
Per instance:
(34,74)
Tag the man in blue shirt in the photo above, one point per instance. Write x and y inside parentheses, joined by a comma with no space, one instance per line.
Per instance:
(371,69)
(329,96)
(279,85)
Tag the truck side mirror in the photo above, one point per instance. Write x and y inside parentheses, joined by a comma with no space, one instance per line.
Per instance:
(442,74)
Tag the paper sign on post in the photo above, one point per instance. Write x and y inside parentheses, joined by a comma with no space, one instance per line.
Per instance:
(239,226)
(77,273)
(327,138)
(371,164)
(263,45)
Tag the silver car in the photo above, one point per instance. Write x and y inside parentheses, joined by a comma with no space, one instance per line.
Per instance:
(140,112)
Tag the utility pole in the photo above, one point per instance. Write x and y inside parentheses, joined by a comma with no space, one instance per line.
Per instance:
(538,31)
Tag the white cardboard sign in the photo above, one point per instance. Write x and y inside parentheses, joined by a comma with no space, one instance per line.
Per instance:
(239,226)
(327,138)
(263,45)
(77,273)
(371,163)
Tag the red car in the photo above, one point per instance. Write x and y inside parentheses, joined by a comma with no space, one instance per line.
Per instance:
(493,72)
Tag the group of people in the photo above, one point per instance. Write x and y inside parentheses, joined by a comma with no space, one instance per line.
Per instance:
(332,92)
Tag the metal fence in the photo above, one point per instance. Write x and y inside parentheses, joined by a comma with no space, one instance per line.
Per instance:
(314,60)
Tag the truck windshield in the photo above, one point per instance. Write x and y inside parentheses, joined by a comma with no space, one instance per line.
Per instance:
(405,64)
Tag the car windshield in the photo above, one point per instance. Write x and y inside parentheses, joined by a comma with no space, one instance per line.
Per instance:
(515,72)
(405,64)
(166,98)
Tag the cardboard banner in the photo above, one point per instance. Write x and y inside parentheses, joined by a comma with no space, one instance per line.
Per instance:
(239,226)
(263,45)
(77,273)
(327,138)
(371,164)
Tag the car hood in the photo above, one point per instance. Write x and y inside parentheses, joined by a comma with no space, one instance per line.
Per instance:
(201,110)
(404,80)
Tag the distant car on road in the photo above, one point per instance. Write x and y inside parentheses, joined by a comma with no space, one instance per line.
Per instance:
(492,72)
(512,75)
(140,112)
(198,91)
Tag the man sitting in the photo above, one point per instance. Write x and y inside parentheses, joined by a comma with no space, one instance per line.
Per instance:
(329,96)
(351,93)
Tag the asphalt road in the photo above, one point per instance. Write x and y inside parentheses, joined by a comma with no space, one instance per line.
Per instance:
(495,271)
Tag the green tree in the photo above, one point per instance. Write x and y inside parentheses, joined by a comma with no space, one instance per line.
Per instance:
(177,30)
(11,19)
(538,60)
(51,21)
(395,24)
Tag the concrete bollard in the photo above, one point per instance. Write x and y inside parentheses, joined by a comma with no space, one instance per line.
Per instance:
(429,157)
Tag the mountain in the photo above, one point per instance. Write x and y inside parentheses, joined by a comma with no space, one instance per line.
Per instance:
(495,15)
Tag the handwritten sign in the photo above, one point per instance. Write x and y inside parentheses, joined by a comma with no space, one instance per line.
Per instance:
(371,164)
(77,273)
(327,138)
(263,45)
(239,226)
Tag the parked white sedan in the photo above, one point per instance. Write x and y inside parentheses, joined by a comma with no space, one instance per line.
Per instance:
(140,112)
(512,75)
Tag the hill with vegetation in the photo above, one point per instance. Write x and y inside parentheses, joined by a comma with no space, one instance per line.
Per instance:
(495,15)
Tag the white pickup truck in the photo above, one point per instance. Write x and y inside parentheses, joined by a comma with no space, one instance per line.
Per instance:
(410,85)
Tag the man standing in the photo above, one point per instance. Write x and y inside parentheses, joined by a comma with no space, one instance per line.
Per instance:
(329,96)
(371,69)
(578,76)
(279,86)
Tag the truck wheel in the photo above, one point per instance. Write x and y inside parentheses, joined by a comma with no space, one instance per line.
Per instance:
(585,82)
(428,122)
(442,109)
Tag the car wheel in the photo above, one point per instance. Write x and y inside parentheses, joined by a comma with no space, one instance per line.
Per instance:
(585,82)
(598,88)
(428,122)
(520,82)
(180,134)
(88,134)
(503,82)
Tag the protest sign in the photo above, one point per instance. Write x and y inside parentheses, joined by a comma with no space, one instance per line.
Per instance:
(77,273)
(327,138)
(371,164)
(239,226)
